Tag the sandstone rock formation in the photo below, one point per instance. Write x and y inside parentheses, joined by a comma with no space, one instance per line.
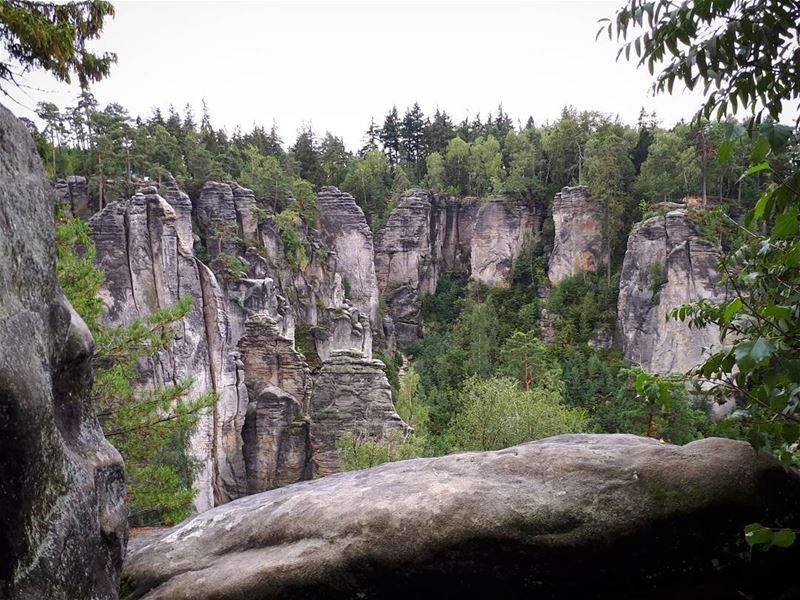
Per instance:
(74,193)
(151,257)
(351,395)
(499,232)
(577,516)
(667,264)
(345,231)
(578,244)
(428,235)
(275,429)
(63,515)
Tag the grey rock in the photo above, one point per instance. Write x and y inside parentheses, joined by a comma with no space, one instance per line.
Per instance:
(73,192)
(63,514)
(577,516)
(669,246)
(351,395)
(578,242)
(275,429)
(500,229)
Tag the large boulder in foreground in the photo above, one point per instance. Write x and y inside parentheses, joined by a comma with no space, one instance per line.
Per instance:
(592,516)
(63,517)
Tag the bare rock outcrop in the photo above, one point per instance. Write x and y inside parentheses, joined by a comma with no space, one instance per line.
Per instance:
(345,231)
(150,253)
(426,236)
(73,191)
(499,232)
(351,395)
(275,430)
(578,244)
(667,264)
(63,514)
(549,519)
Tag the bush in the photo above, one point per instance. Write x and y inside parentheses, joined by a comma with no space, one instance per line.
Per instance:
(497,413)
(357,451)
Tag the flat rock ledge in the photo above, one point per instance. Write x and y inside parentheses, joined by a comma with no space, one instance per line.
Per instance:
(574,516)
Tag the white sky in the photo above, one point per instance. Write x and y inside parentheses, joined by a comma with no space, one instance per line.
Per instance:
(335,64)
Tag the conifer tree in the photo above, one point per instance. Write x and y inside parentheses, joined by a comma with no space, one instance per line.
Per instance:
(390,136)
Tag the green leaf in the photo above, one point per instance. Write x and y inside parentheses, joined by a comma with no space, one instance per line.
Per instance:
(785,225)
(732,310)
(755,533)
(750,354)
(760,150)
(783,538)
(756,169)
(778,312)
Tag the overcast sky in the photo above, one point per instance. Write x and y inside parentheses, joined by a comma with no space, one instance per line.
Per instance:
(335,64)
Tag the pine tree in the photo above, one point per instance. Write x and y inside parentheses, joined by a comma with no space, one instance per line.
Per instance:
(305,153)
(390,136)
(413,140)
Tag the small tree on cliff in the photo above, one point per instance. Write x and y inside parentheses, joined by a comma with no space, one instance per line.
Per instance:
(149,426)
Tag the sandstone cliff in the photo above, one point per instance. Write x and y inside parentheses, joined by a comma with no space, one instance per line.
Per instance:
(242,287)
(351,395)
(667,264)
(63,515)
(578,243)
(429,234)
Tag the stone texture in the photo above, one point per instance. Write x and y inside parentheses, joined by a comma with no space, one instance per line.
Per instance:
(63,515)
(500,229)
(351,395)
(345,231)
(578,243)
(425,236)
(275,430)
(672,245)
(74,192)
(146,246)
(578,516)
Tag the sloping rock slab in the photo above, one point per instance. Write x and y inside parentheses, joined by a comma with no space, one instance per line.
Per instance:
(588,516)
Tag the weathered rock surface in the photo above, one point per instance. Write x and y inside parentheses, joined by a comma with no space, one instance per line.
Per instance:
(351,395)
(275,430)
(74,192)
(429,234)
(345,231)
(592,516)
(667,264)
(578,243)
(146,246)
(499,232)
(63,515)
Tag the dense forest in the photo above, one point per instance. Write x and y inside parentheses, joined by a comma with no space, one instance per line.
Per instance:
(490,371)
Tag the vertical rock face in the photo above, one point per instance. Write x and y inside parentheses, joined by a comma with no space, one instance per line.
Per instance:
(74,192)
(500,229)
(667,264)
(578,244)
(428,235)
(424,237)
(275,432)
(146,246)
(63,515)
(351,395)
(346,233)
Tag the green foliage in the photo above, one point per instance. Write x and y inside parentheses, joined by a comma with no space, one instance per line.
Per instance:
(288,224)
(408,404)
(53,37)
(232,268)
(657,278)
(392,369)
(496,413)
(357,451)
(370,182)
(79,276)
(585,303)
(306,344)
(149,426)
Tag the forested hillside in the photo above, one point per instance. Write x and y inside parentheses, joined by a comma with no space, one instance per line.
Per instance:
(495,366)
